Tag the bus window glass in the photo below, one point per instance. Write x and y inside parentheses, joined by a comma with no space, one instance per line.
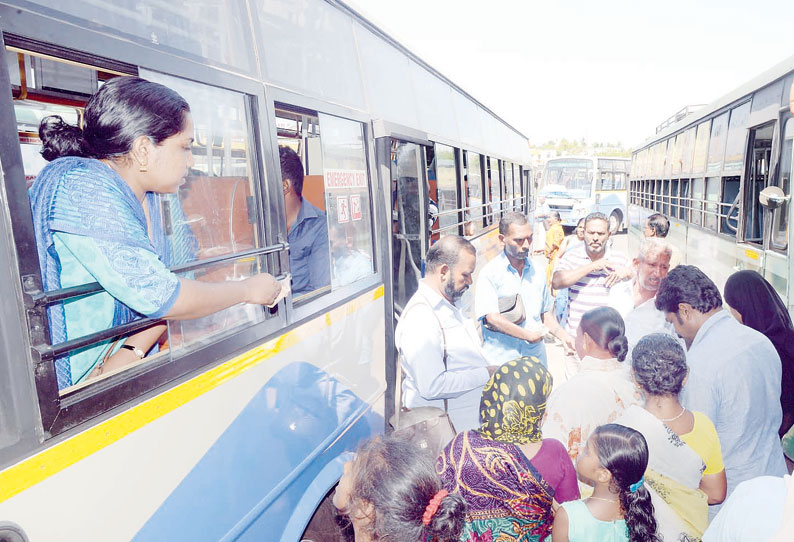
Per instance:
(620,175)
(574,175)
(607,180)
(712,203)
(495,183)
(687,149)
(701,147)
(666,197)
(719,132)
(347,199)
(780,224)
(697,201)
(447,189)
(473,193)
(678,148)
(685,203)
(304,202)
(668,157)
(658,192)
(674,197)
(730,192)
(658,161)
(172,26)
(737,135)
(407,188)
(212,213)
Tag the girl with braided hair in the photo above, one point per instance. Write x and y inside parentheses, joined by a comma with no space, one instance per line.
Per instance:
(620,508)
(390,492)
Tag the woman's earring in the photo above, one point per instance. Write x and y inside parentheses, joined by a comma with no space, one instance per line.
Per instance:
(143,168)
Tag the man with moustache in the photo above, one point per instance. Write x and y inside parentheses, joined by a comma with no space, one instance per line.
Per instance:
(440,351)
(509,274)
(589,271)
(634,299)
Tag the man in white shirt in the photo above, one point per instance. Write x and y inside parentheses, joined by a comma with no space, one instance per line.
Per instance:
(432,328)
(634,299)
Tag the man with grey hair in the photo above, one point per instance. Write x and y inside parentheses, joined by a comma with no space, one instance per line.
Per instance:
(634,299)
(441,355)
(506,276)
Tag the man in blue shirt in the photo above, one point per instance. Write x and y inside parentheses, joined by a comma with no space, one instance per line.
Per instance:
(508,274)
(734,375)
(307,230)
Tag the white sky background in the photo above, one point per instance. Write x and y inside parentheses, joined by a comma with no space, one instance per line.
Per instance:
(607,71)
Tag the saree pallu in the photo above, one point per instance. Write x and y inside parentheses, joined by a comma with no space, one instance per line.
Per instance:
(508,500)
(673,478)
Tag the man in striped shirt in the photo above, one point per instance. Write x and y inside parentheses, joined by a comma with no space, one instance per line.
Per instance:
(589,271)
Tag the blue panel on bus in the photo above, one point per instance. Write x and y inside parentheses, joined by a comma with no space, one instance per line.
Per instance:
(254,474)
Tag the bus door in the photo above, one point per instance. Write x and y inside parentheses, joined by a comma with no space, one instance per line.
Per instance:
(409,191)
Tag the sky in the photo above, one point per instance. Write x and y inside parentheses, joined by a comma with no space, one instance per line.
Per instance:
(608,71)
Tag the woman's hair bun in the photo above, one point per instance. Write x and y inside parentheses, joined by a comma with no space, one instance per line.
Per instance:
(447,523)
(59,138)
(619,347)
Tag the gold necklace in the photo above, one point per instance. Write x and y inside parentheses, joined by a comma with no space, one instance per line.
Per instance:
(602,499)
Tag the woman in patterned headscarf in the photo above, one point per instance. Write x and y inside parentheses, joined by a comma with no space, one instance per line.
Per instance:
(509,476)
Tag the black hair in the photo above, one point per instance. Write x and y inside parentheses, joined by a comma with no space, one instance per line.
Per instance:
(555,215)
(595,216)
(122,110)
(606,327)
(624,453)
(659,364)
(687,284)
(519,219)
(659,223)
(399,480)
(291,168)
(447,251)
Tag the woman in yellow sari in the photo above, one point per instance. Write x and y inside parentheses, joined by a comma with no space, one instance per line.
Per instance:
(554,237)
(685,470)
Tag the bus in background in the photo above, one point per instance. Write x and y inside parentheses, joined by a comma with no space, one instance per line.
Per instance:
(579,185)
(723,177)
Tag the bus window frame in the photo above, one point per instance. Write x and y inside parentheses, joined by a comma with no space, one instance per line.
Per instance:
(785,117)
(60,413)
(278,98)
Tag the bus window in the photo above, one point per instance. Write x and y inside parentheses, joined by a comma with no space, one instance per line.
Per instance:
(347,200)
(737,134)
(666,197)
(474,200)
(678,149)
(687,149)
(697,201)
(780,216)
(216,211)
(758,159)
(668,158)
(607,181)
(729,206)
(701,148)
(674,197)
(447,187)
(711,203)
(495,193)
(719,132)
(684,198)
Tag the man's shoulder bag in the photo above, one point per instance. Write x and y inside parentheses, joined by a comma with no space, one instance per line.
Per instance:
(512,308)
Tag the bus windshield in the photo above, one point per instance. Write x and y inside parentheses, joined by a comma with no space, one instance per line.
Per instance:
(575,176)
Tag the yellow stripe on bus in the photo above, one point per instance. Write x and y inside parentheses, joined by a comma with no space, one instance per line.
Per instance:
(37,468)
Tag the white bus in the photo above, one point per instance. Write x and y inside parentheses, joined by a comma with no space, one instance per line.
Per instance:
(723,177)
(579,185)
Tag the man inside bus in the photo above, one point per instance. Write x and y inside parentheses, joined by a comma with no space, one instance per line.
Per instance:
(635,299)
(658,225)
(734,375)
(307,230)
(589,271)
(509,274)
(442,359)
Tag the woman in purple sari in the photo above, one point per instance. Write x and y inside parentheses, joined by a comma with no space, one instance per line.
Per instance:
(509,476)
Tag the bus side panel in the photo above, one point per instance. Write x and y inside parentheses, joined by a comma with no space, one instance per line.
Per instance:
(215,454)
(714,254)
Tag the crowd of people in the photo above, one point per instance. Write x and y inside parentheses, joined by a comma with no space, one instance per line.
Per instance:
(671,406)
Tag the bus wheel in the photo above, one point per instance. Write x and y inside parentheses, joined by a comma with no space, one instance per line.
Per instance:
(615,220)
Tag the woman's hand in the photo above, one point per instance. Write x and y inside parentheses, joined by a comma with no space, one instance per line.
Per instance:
(262,289)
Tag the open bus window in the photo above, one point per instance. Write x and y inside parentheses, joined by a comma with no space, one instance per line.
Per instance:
(474,197)
(329,221)
(780,215)
(447,189)
(215,211)
(495,184)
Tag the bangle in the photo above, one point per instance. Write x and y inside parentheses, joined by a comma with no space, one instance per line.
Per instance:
(137,351)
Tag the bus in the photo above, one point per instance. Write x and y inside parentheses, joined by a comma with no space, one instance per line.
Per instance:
(579,185)
(238,428)
(723,177)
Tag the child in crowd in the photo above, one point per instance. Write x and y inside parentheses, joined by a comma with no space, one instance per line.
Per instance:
(620,508)
(390,491)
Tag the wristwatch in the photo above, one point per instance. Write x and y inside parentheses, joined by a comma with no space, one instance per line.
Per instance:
(138,352)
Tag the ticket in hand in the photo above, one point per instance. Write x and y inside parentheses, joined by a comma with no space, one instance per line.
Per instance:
(285,290)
